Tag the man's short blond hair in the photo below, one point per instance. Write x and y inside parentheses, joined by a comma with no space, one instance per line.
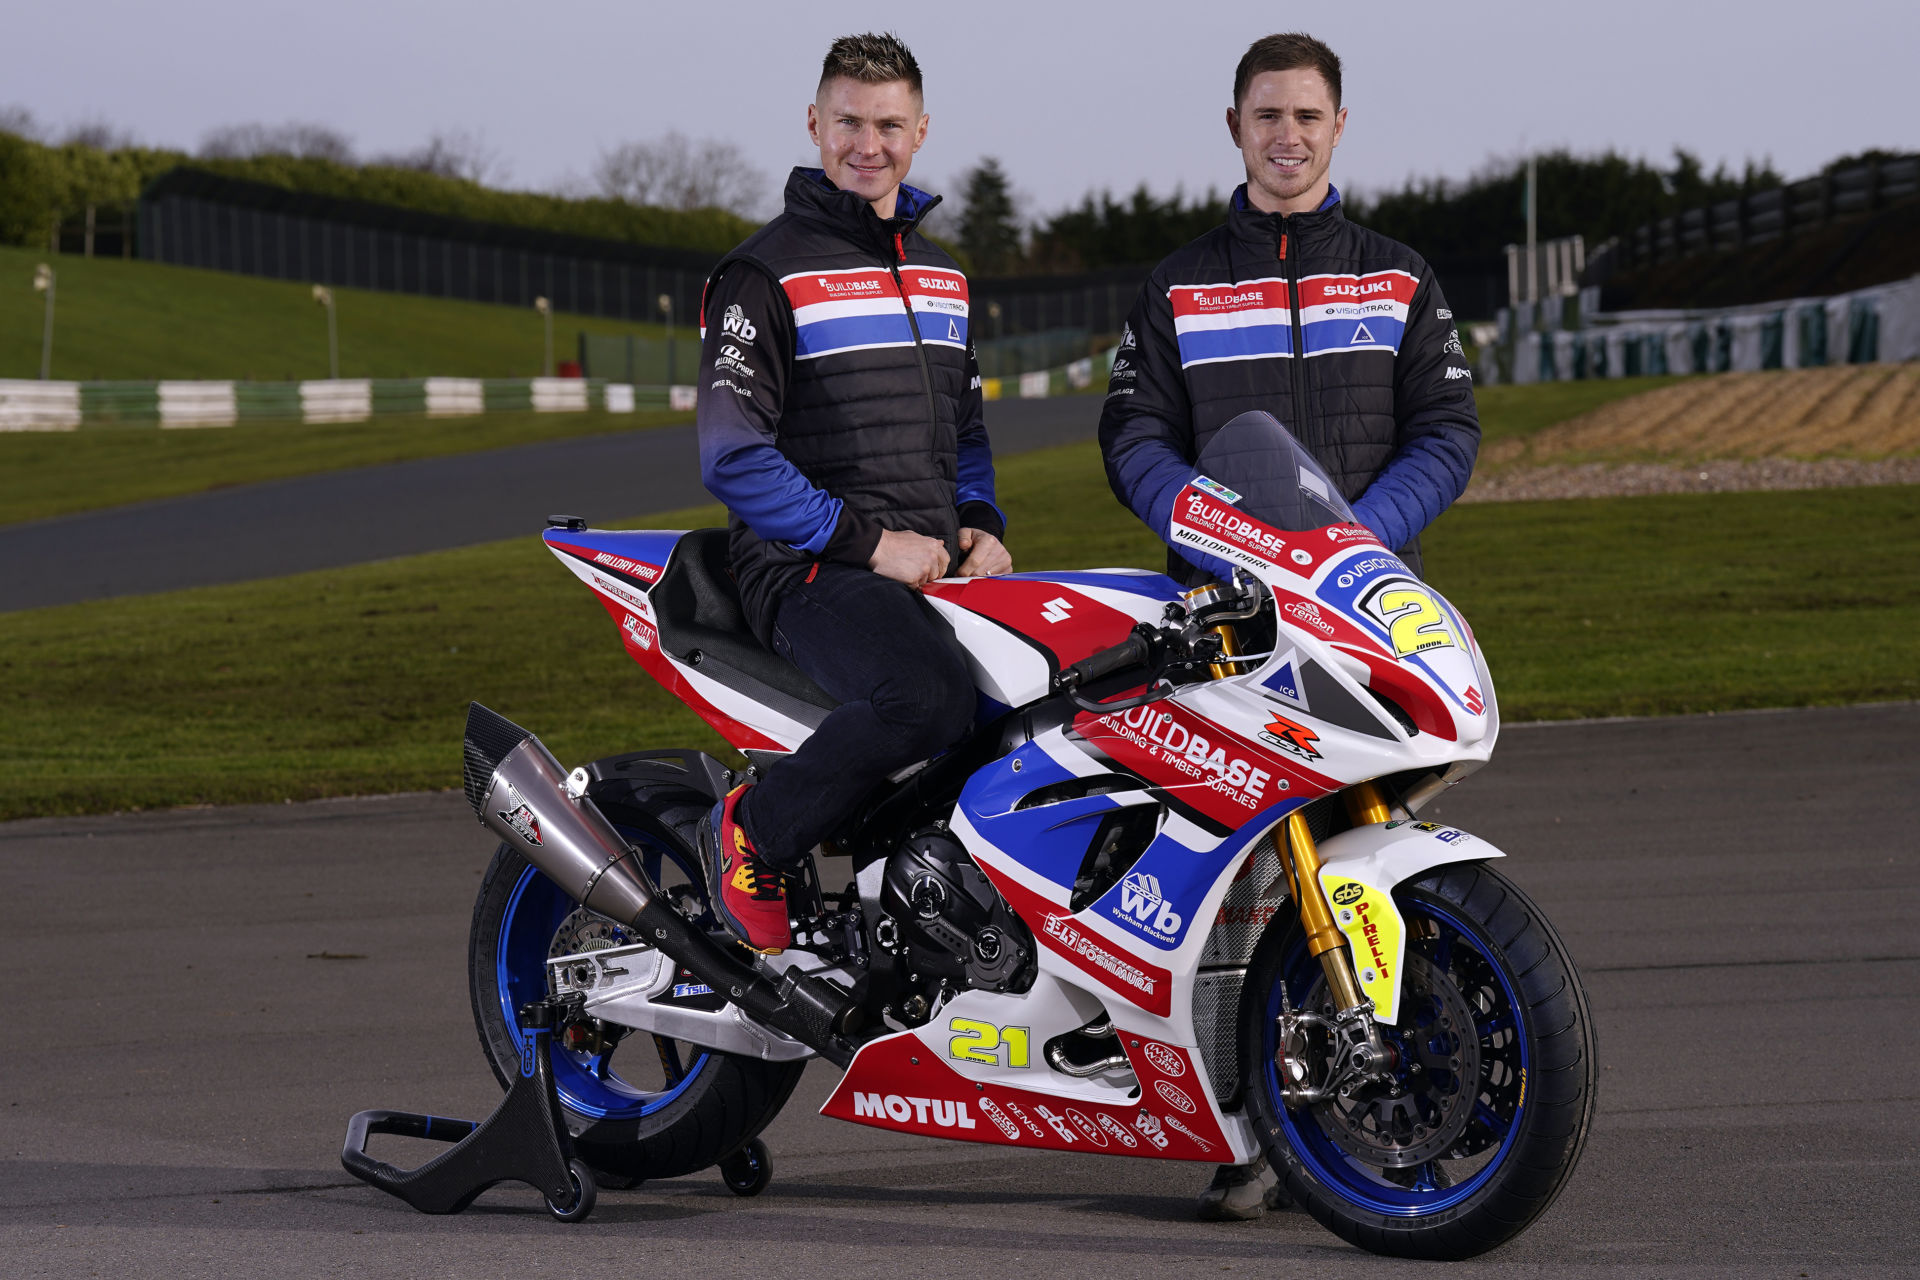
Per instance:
(871,59)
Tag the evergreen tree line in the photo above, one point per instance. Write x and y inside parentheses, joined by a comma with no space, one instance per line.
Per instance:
(1445,220)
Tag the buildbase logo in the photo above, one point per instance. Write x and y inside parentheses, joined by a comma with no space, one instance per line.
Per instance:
(942,1113)
(1143,906)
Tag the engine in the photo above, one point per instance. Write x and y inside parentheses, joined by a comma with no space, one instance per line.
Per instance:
(942,920)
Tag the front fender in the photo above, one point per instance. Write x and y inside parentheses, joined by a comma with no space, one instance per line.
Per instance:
(1358,872)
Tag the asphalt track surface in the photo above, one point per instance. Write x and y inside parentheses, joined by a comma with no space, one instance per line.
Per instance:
(375,513)
(1739,891)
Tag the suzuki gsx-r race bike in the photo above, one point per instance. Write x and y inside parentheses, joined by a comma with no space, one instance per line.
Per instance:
(1172,898)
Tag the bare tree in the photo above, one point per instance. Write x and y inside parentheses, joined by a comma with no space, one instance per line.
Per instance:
(302,139)
(453,153)
(676,172)
(96,133)
(19,122)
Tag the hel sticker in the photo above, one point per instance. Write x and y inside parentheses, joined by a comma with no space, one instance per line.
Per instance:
(1371,922)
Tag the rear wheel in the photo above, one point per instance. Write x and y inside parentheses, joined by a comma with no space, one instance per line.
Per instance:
(639,1105)
(1493,1091)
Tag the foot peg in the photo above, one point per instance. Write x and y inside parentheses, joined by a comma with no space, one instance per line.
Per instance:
(524,1140)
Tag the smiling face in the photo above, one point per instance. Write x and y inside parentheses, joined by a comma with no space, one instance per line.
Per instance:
(867,135)
(1286,127)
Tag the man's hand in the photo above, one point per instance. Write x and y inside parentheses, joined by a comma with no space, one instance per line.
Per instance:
(912,558)
(985,555)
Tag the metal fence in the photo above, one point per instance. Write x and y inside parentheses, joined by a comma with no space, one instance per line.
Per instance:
(1760,216)
(195,219)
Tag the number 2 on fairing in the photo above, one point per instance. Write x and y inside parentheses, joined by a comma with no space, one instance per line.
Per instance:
(1414,623)
(982,1041)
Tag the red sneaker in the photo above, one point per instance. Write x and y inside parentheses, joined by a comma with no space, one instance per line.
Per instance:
(747,893)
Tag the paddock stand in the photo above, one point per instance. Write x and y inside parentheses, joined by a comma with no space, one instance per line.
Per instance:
(524,1140)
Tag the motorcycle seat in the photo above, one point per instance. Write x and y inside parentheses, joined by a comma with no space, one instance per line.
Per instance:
(697,608)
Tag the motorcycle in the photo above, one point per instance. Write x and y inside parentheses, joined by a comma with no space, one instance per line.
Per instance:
(1172,898)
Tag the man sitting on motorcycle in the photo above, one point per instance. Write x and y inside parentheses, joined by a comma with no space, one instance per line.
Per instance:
(840,420)
(1336,330)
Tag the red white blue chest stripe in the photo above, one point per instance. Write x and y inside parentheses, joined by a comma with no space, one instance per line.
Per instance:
(862,309)
(1253,319)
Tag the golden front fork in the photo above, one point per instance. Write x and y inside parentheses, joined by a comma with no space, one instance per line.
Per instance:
(1365,806)
(1229,638)
(1323,939)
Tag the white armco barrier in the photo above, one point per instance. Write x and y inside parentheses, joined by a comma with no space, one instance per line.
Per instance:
(39,406)
(197,404)
(559,395)
(336,400)
(455,397)
(619,397)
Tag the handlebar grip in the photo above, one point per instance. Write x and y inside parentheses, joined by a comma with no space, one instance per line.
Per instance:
(1131,652)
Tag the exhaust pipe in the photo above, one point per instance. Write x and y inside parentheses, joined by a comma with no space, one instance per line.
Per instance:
(520,792)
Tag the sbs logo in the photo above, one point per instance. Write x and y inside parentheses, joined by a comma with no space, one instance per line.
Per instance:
(1348,894)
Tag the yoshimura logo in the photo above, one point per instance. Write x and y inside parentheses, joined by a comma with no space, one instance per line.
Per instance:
(520,816)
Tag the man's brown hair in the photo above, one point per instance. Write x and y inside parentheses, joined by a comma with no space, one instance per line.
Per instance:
(1293,51)
(871,59)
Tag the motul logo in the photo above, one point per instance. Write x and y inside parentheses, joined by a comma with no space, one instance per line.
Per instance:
(945,1114)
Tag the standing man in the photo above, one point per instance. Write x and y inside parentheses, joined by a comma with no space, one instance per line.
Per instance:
(840,420)
(1337,331)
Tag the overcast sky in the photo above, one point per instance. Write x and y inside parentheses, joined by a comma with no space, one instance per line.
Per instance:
(1070,97)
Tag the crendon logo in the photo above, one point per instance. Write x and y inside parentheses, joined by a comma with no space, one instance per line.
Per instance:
(1057,609)
(1163,1059)
(1142,904)
(1175,1098)
(736,323)
(1308,612)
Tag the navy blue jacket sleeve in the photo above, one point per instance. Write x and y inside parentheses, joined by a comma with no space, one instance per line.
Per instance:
(1146,425)
(746,361)
(1437,430)
(975,497)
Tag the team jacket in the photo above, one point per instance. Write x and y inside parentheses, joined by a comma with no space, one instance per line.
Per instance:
(1336,330)
(838,395)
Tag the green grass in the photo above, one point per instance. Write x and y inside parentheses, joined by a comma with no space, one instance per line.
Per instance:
(356,680)
(55,473)
(1511,412)
(143,320)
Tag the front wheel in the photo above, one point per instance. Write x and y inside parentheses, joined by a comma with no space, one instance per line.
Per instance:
(1492,1092)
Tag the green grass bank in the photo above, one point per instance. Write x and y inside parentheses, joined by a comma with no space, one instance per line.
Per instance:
(356,681)
(115,319)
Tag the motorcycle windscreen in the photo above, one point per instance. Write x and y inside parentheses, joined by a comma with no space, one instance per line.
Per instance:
(1270,475)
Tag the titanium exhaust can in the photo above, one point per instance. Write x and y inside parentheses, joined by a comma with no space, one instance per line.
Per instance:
(519,791)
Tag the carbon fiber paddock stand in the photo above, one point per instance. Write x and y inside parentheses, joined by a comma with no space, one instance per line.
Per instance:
(524,1140)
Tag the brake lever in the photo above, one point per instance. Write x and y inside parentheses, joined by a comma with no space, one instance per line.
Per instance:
(1160,688)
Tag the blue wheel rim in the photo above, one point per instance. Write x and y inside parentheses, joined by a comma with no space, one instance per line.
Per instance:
(535,910)
(1345,1175)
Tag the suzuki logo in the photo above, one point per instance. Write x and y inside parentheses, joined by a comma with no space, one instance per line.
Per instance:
(1057,609)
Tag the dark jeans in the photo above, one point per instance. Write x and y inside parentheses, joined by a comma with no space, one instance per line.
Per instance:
(904,691)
